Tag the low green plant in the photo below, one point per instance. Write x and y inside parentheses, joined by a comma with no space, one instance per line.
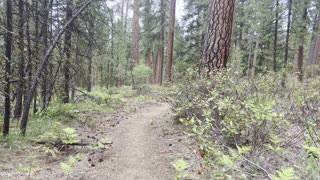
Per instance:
(101,144)
(59,134)
(285,174)
(69,136)
(55,139)
(67,167)
(180,166)
(31,165)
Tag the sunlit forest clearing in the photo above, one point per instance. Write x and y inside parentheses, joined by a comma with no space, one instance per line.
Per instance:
(160,89)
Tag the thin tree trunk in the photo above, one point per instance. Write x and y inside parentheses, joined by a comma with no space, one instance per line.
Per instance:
(149,63)
(109,77)
(125,38)
(300,62)
(275,42)
(171,39)
(51,81)
(8,49)
(67,51)
(29,49)
(301,44)
(159,66)
(126,19)
(20,85)
(90,56)
(122,12)
(286,56)
(155,68)
(74,81)
(161,48)
(135,50)
(44,32)
(255,57)
(315,42)
(250,54)
(240,38)
(36,52)
(25,115)
(89,80)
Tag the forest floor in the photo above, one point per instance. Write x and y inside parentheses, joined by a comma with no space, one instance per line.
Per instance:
(146,141)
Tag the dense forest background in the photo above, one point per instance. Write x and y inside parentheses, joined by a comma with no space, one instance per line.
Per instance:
(257,59)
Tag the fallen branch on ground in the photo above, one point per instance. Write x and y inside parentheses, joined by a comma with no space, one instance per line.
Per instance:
(69,144)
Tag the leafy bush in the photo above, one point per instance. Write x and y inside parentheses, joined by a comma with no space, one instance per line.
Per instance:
(238,121)
(141,74)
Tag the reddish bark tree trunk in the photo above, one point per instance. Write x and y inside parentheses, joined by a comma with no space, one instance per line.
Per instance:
(218,37)
(161,48)
(155,68)
(149,63)
(301,45)
(171,38)
(159,65)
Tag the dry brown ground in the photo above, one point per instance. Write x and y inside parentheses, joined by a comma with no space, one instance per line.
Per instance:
(146,141)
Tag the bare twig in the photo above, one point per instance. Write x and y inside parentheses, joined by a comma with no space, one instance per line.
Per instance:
(257,165)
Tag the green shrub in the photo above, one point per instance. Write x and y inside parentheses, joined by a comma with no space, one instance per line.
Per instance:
(141,74)
(230,114)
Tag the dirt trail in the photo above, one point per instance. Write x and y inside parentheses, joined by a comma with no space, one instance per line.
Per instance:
(140,150)
(146,140)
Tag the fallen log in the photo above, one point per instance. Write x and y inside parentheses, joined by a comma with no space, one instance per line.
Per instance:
(60,143)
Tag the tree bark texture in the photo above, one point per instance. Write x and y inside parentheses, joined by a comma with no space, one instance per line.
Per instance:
(171,39)
(286,55)
(218,36)
(301,43)
(161,48)
(67,51)
(20,85)
(136,29)
(275,41)
(315,43)
(8,51)
(44,32)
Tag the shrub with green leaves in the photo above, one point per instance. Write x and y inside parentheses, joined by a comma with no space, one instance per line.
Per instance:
(141,74)
(246,122)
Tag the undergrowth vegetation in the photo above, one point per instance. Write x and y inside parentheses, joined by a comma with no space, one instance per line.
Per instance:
(251,128)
